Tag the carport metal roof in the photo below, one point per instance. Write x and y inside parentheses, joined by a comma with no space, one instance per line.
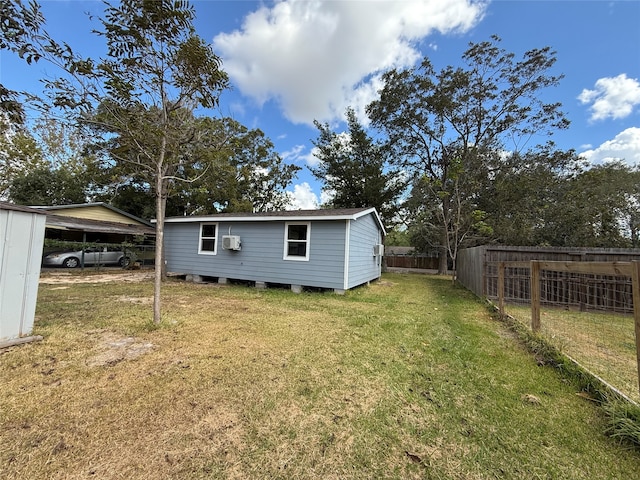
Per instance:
(89,225)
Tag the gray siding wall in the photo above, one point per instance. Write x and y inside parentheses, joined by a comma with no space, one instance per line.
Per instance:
(261,257)
(363,265)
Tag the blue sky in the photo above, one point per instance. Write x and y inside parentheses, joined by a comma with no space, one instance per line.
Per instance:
(291,62)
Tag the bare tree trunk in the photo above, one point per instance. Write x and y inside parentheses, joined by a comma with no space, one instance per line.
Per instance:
(157,284)
(444,237)
(442,253)
(161,203)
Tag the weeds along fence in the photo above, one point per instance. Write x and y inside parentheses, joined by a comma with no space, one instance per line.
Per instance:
(590,310)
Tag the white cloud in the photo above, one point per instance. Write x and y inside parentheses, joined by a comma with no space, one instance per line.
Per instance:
(302,197)
(293,154)
(315,57)
(298,154)
(612,97)
(311,159)
(625,146)
(327,196)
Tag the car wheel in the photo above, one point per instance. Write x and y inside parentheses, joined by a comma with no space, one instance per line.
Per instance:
(124,262)
(71,262)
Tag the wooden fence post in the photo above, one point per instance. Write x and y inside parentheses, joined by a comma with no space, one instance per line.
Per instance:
(635,275)
(501,269)
(535,295)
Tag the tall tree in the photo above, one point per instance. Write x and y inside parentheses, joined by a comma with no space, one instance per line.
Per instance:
(601,208)
(447,126)
(526,196)
(156,72)
(48,164)
(19,155)
(235,169)
(48,186)
(356,170)
(225,167)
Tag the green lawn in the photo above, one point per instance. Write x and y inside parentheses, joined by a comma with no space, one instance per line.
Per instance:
(407,378)
(603,343)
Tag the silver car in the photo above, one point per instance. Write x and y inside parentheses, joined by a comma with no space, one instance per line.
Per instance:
(92,256)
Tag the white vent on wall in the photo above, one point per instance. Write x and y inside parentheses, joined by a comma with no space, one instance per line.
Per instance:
(378,250)
(231,242)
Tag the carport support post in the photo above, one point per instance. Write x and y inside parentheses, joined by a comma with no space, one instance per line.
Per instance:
(635,276)
(84,242)
(535,295)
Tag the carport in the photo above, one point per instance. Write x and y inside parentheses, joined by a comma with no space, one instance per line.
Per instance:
(82,231)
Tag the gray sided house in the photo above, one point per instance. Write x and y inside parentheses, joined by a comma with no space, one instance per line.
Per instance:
(334,249)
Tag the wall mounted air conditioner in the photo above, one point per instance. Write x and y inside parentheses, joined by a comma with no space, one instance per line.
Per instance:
(231,242)
(378,250)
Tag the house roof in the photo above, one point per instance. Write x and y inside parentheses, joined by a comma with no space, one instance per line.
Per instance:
(122,213)
(286,215)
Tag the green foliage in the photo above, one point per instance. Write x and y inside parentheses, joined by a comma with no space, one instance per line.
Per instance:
(549,198)
(19,24)
(623,421)
(356,171)
(397,237)
(48,164)
(526,193)
(46,186)
(19,155)
(233,168)
(226,167)
(22,32)
(601,208)
(133,198)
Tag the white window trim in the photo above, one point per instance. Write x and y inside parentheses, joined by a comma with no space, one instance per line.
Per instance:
(215,243)
(296,258)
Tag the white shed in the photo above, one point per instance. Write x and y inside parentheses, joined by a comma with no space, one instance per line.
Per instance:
(21,242)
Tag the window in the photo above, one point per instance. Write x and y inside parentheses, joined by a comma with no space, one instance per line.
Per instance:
(296,241)
(208,242)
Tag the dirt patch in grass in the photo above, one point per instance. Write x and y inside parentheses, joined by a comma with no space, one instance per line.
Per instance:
(136,300)
(112,349)
(54,277)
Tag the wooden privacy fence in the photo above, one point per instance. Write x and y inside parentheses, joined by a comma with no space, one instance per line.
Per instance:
(477,266)
(412,261)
